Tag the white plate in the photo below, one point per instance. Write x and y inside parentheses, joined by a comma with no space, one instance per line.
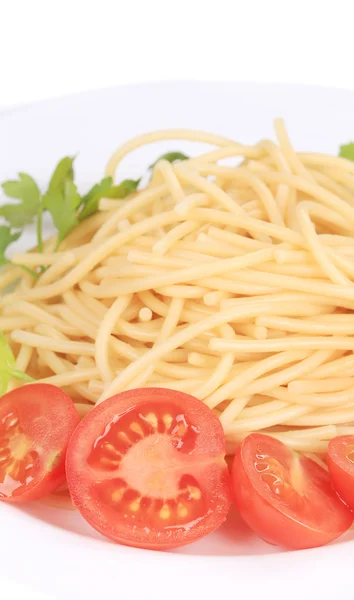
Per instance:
(54,550)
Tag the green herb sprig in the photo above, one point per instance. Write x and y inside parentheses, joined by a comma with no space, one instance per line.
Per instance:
(8,366)
(62,200)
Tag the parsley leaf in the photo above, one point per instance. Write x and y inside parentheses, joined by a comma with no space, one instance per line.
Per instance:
(61,200)
(171,157)
(62,205)
(7,366)
(91,199)
(105,189)
(6,238)
(26,190)
(63,172)
(126,187)
(347,151)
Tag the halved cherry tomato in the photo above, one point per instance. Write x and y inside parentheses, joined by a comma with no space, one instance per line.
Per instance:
(146,468)
(341,467)
(287,499)
(36,422)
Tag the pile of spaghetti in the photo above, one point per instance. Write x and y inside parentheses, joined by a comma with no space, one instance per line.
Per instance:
(232,283)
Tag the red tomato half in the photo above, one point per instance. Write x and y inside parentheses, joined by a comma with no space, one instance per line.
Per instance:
(36,422)
(146,468)
(341,467)
(287,499)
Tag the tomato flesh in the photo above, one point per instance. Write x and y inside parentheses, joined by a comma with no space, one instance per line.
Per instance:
(341,467)
(146,468)
(285,498)
(36,422)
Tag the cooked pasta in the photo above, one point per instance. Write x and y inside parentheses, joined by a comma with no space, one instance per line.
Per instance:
(232,283)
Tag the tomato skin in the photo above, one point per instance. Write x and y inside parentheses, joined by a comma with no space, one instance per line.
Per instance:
(209,449)
(341,468)
(273,521)
(47,417)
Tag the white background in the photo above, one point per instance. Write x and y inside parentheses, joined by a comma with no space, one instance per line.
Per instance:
(50,47)
(55,47)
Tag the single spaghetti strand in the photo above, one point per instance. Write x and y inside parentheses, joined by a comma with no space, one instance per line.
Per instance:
(309,232)
(158,136)
(40,341)
(103,334)
(285,145)
(223,369)
(282,344)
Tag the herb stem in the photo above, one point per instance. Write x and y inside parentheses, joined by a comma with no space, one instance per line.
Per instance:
(40,227)
(33,274)
(29,271)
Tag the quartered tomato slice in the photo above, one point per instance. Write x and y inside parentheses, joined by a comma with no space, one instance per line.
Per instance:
(36,422)
(146,468)
(287,499)
(341,467)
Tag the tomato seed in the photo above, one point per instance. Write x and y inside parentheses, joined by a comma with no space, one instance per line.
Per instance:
(136,428)
(165,512)
(111,449)
(118,495)
(151,418)
(182,510)
(167,421)
(135,505)
(109,462)
(194,492)
(122,436)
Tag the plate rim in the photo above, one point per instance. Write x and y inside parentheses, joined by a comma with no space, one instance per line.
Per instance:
(269,562)
(19,106)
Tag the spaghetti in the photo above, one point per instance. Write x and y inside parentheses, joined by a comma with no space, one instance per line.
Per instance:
(234,284)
